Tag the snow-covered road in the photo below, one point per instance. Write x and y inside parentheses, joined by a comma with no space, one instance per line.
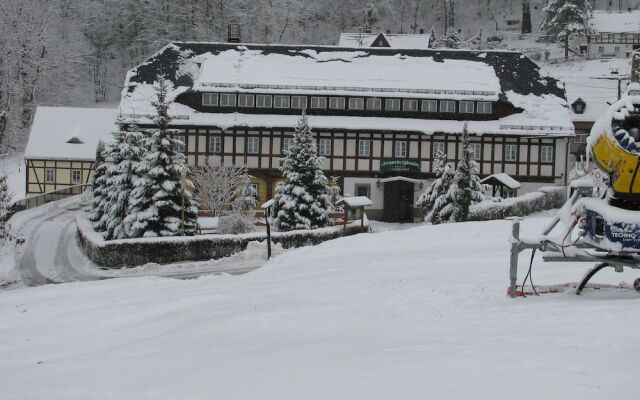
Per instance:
(51,253)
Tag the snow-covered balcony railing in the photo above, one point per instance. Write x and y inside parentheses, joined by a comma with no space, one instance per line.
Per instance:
(348,89)
(537,128)
(152,116)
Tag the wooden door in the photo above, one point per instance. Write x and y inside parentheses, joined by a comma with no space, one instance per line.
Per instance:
(398,201)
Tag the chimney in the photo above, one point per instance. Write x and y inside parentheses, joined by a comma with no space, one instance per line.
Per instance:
(388,31)
(422,31)
(367,29)
(233,34)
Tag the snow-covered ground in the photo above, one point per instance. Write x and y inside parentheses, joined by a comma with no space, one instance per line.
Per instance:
(409,314)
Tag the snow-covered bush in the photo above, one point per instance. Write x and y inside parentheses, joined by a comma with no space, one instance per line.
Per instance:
(451,40)
(302,200)
(5,204)
(546,198)
(218,185)
(242,218)
(155,204)
(335,195)
(465,189)
(8,270)
(444,177)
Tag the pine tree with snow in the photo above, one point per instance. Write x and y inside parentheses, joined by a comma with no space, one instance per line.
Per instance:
(155,205)
(465,189)
(98,182)
(437,188)
(104,184)
(563,18)
(302,200)
(5,204)
(129,151)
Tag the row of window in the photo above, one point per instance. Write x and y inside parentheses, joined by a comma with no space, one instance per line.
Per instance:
(343,103)
(76,176)
(364,148)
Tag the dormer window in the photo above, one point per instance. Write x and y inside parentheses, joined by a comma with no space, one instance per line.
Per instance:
(579,106)
(75,140)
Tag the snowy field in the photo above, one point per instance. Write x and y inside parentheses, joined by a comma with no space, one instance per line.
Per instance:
(406,314)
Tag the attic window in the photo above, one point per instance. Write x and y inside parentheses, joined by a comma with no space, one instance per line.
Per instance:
(75,140)
(578,106)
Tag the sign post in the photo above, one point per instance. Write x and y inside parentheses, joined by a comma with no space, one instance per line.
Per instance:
(267,213)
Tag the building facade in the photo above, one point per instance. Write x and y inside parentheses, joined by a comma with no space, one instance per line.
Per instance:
(379,116)
(62,146)
(616,34)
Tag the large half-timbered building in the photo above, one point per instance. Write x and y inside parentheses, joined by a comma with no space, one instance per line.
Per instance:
(379,115)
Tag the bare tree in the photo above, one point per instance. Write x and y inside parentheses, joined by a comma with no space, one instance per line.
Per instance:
(218,185)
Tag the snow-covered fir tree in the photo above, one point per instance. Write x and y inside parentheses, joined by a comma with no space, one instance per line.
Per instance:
(97,182)
(5,204)
(155,204)
(120,183)
(562,18)
(465,189)
(302,201)
(104,184)
(437,188)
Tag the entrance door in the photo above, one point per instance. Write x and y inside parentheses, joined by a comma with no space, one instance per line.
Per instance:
(398,201)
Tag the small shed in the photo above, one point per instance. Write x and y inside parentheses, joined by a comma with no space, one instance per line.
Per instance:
(357,205)
(502,185)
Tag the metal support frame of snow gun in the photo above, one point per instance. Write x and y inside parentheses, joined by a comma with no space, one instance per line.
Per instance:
(566,251)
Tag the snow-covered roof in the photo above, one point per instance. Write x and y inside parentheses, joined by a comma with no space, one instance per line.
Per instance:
(55,129)
(508,77)
(356,201)
(505,179)
(591,81)
(616,22)
(395,40)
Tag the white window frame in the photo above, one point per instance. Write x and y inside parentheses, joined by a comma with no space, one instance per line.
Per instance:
(401,149)
(210,99)
(466,107)
(225,100)
(430,106)
(510,152)
(392,105)
(476,151)
(411,105)
(364,148)
(324,147)
(337,103)
(546,153)
(484,107)
(356,103)
(46,175)
(286,143)
(215,144)
(438,146)
(447,109)
(246,100)
(319,103)
(279,103)
(76,173)
(374,104)
(253,145)
(300,102)
(264,101)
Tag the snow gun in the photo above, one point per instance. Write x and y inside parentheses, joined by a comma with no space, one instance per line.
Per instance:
(600,222)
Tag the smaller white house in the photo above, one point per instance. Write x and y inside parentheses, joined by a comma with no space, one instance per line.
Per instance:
(62,146)
(616,34)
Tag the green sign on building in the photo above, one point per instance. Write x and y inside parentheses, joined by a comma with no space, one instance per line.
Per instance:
(394,165)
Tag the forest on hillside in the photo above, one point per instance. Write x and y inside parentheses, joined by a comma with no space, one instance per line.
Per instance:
(77,52)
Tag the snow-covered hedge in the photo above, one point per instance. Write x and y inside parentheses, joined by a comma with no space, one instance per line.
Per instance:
(133,252)
(546,198)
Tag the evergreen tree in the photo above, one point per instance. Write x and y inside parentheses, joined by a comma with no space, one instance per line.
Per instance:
(155,205)
(302,200)
(105,184)
(97,182)
(562,18)
(5,204)
(444,178)
(129,151)
(465,189)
